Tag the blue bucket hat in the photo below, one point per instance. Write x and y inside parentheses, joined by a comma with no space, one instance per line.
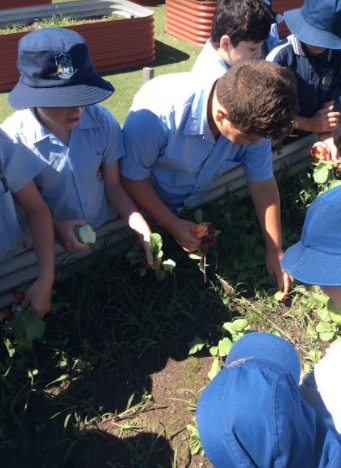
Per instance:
(317,23)
(56,70)
(252,415)
(316,258)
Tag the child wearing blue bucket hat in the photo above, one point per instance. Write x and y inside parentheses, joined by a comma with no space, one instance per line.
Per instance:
(254,413)
(18,166)
(316,259)
(313,53)
(59,119)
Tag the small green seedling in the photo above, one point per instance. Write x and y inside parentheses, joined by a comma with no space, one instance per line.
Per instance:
(161,267)
(334,311)
(25,328)
(86,234)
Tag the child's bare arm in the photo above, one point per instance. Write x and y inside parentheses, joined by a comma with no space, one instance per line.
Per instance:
(121,202)
(325,120)
(266,200)
(186,233)
(40,222)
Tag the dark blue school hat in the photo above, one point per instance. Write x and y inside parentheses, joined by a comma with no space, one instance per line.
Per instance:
(251,415)
(316,258)
(317,23)
(56,70)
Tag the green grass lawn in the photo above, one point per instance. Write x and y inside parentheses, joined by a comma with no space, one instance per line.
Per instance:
(172,56)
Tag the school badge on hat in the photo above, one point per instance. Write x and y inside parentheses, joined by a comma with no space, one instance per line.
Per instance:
(56,70)
(64,66)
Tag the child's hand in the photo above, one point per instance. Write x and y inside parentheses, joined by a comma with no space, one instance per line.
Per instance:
(66,235)
(325,120)
(273,266)
(188,234)
(39,297)
(334,152)
(139,225)
(199,230)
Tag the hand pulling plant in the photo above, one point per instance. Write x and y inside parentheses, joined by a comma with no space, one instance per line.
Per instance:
(21,326)
(327,172)
(207,241)
(137,257)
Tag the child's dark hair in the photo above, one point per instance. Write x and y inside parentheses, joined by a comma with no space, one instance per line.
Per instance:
(260,98)
(241,20)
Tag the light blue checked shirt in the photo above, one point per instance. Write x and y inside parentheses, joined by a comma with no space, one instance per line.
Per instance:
(168,140)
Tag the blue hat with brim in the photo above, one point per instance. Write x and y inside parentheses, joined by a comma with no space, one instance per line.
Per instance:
(56,70)
(316,258)
(251,414)
(317,23)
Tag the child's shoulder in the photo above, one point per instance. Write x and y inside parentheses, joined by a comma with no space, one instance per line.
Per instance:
(18,124)
(284,51)
(101,116)
(167,92)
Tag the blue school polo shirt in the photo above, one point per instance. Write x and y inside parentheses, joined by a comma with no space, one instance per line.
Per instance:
(168,140)
(318,77)
(209,64)
(72,183)
(18,166)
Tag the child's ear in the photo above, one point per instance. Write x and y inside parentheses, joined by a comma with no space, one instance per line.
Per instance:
(225,42)
(220,115)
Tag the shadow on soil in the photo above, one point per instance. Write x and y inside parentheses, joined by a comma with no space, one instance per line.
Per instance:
(112,331)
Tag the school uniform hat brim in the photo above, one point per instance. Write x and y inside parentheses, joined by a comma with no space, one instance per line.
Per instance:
(251,413)
(316,23)
(316,258)
(56,70)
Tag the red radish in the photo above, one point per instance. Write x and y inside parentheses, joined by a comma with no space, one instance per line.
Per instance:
(18,295)
(8,314)
(320,151)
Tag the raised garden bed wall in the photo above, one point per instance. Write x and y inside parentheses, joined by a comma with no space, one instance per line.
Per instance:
(190,20)
(280,6)
(114,45)
(149,2)
(9,4)
(114,236)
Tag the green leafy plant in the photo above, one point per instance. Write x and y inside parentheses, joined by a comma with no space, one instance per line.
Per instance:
(23,329)
(161,267)
(194,439)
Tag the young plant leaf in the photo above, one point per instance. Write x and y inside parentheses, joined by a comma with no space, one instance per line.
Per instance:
(215,369)
(196,345)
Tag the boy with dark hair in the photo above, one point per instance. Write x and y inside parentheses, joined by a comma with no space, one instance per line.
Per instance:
(286,425)
(81,142)
(311,52)
(18,167)
(179,139)
(239,30)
